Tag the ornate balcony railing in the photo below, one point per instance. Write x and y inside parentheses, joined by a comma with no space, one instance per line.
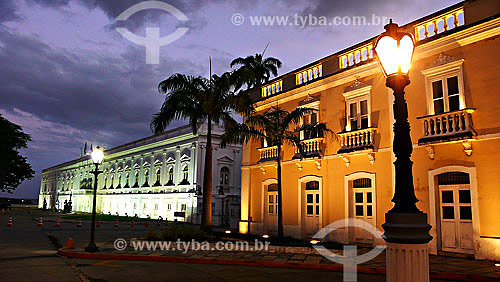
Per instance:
(451,126)
(361,139)
(224,189)
(268,153)
(311,148)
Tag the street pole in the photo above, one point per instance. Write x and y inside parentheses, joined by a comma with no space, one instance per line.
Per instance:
(92,246)
(406,228)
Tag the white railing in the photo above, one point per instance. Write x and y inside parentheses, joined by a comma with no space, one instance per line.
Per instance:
(357,139)
(441,23)
(310,145)
(448,123)
(356,56)
(268,153)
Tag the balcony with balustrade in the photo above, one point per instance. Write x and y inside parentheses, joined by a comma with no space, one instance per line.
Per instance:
(310,148)
(268,153)
(357,140)
(447,127)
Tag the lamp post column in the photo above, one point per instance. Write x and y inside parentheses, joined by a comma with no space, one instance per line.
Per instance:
(92,246)
(406,228)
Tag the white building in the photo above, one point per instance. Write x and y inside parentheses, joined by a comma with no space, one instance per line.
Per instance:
(158,176)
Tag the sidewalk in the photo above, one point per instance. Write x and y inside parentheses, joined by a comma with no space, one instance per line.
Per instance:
(446,268)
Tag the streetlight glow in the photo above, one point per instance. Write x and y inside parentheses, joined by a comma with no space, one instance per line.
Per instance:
(97,155)
(394,51)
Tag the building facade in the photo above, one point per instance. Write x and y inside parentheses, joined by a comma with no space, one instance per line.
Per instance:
(159,177)
(452,102)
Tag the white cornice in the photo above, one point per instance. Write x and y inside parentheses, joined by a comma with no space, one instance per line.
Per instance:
(455,40)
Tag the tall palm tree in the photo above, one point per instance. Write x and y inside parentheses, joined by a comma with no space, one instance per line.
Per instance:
(201,100)
(277,127)
(256,70)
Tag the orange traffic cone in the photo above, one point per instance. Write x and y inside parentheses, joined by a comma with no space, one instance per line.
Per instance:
(9,224)
(132,223)
(40,222)
(98,224)
(70,243)
(58,222)
(79,224)
(116,223)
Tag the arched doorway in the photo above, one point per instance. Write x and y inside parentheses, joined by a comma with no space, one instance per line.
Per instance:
(455,212)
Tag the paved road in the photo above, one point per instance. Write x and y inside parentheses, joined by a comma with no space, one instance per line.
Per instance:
(26,254)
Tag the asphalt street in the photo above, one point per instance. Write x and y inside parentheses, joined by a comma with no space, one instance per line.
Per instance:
(27,254)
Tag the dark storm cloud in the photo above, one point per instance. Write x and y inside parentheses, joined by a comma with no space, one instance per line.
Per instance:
(8,11)
(113,8)
(353,7)
(92,93)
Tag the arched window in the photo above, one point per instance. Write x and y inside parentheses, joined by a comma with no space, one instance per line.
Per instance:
(272,199)
(185,173)
(127,180)
(171,176)
(146,178)
(111,181)
(158,177)
(136,180)
(224,176)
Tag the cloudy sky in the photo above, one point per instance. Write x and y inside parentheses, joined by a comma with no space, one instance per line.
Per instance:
(68,77)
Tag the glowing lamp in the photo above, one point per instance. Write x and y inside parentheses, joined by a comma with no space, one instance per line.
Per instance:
(265,236)
(97,155)
(228,231)
(314,242)
(394,50)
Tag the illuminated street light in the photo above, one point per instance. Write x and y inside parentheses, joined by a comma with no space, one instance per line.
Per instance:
(97,156)
(406,228)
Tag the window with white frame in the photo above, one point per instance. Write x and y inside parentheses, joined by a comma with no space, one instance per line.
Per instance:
(444,87)
(185,173)
(171,176)
(158,175)
(224,176)
(272,198)
(310,118)
(358,109)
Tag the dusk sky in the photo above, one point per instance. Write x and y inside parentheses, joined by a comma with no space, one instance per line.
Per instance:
(68,77)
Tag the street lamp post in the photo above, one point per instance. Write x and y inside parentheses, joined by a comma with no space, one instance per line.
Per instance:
(406,228)
(97,157)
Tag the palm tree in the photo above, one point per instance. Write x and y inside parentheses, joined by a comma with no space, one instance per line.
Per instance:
(256,70)
(277,127)
(201,100)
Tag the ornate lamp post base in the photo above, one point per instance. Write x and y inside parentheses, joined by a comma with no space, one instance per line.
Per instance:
(407,253)
(91,248)
(407,262)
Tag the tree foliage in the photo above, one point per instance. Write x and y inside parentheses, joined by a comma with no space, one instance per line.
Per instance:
(201,100)
(277,127)
(256,70)
(14,167)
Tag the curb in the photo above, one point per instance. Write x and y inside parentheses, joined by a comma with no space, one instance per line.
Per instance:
(264,263)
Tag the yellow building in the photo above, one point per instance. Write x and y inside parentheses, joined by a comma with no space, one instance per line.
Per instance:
(452,100)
